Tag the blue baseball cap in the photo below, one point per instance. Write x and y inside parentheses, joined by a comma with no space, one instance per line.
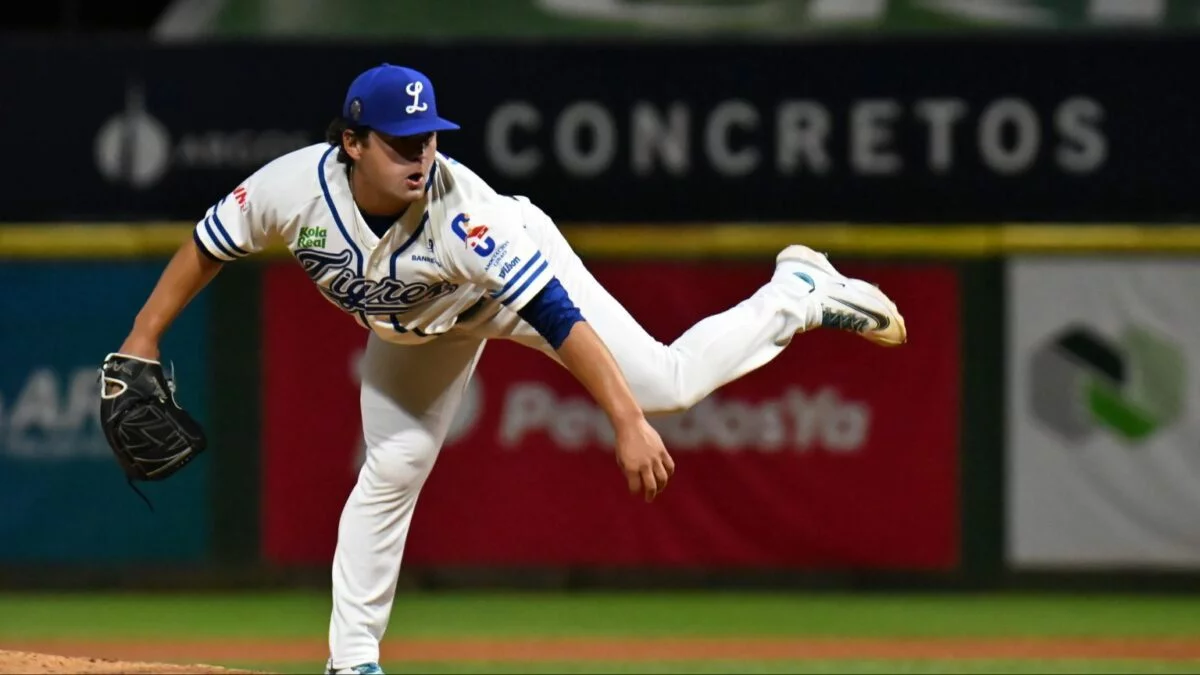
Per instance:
(395,100)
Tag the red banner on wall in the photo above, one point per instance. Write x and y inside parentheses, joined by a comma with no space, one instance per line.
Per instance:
(837,454)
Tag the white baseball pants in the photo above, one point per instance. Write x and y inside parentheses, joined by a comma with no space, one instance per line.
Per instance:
(410,395)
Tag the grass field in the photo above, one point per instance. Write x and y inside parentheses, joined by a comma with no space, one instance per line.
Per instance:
(633,633)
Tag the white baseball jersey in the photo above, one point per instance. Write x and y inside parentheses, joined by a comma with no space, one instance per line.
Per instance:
(460,251)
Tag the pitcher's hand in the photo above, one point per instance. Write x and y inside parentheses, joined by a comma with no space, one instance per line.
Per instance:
(644,459)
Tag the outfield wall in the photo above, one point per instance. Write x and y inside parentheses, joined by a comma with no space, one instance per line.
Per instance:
(1042,420)
(1039,428)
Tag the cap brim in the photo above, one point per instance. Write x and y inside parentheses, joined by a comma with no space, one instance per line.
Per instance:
(414,127)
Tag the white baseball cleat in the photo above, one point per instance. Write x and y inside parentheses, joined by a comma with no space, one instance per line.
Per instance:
(846,304)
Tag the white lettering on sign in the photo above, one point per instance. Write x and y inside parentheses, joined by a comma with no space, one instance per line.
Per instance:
(878,137)
(795,421)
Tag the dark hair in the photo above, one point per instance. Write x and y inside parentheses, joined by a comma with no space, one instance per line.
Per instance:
(333,136)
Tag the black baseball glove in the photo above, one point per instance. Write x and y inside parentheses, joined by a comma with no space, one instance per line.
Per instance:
(150,434)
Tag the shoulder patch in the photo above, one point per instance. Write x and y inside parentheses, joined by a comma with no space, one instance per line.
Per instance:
(475,236)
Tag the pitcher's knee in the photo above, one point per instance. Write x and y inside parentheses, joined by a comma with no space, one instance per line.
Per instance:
(663,381)
(665,396)
(400,463)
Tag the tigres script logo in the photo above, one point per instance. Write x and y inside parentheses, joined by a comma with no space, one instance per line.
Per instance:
(355,294)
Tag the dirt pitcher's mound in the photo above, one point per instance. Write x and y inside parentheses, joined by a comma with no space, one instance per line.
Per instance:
(28,662)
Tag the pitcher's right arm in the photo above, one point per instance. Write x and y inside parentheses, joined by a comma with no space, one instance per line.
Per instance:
(188,272)
(233,228)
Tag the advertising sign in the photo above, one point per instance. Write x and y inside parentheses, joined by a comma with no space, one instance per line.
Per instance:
(838,453)
(1104,413)
(947,130)
(64,496)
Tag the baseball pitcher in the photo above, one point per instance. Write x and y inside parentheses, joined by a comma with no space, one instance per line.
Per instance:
(433,263)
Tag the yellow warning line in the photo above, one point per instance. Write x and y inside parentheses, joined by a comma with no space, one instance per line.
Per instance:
(51,241)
